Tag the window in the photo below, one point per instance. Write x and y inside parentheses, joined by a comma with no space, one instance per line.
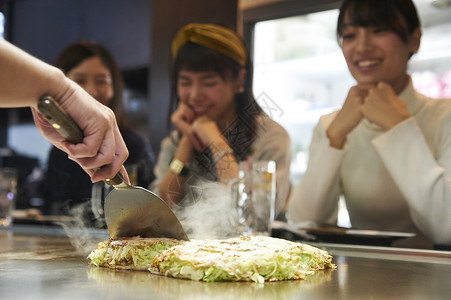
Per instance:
(300,68)
(300,73)
(2,25)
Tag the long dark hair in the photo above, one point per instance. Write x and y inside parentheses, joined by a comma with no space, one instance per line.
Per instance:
(196,58)
(397,15)
(74,54)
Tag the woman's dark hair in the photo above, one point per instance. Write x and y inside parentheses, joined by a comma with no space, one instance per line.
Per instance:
(397,15)
(196,58)
(74,54)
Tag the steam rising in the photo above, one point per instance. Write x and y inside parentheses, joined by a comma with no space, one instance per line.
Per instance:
(84,229)
(212,215)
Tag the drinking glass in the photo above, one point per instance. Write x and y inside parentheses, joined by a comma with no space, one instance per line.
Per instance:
(253,196)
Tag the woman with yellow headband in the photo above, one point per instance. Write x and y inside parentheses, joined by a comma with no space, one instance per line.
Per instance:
(218,121)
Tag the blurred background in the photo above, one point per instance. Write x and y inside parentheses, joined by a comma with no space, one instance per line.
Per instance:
(299,70)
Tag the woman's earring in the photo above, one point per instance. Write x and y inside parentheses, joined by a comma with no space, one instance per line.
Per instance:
(240,89)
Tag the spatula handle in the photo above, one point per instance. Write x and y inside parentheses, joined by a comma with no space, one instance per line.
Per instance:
(66,126)
(61,121)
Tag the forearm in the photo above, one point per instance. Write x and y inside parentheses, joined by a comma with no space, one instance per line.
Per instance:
(172,185)
(421,178)
(337,138)
(24,79)
(315,198)
(171,188)
(225,163)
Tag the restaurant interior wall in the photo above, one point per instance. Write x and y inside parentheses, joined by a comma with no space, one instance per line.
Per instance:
(44,28)
(4,11)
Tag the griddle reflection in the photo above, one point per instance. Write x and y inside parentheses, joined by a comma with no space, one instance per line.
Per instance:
(140,283)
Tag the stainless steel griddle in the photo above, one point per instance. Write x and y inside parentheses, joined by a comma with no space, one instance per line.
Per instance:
(34,266)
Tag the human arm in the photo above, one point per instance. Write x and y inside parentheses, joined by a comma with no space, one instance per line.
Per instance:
(24,79)
(347,118)
(315,197)
(383,107)
(421,168)
(209,134)
(377,103)
(183,118)
(171,185)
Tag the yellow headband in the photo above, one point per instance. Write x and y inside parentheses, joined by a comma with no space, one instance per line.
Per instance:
(212,36)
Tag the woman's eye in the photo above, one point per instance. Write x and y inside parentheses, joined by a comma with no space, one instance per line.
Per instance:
(348,36)
(183,83)
(381,29)
(80,81)
(102,82)
(210,83)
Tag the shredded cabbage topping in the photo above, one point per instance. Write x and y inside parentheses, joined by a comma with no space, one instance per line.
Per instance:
(255,258)
(133,253)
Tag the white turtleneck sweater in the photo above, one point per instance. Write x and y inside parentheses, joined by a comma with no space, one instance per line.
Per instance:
(395,180)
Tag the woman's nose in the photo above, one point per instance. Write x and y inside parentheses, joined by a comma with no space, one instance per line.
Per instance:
(196,94)
(91,88)
(364,42)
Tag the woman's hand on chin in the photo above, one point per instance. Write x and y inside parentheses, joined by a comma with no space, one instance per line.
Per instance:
(206,130)
(383,107)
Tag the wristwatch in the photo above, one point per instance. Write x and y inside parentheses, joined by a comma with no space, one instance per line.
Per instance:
(178,167)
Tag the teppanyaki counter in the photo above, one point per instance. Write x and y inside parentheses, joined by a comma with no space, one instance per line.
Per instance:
(37,265)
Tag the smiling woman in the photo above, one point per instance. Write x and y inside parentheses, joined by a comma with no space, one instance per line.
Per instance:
(308,77)
(387,149)
(218,122)
(377,45)
(65,185)
(92,75)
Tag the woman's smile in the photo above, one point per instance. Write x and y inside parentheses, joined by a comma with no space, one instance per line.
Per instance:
(368,63)
(201,110)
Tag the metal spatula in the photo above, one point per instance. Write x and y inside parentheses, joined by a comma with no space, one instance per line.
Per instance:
(129,210)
